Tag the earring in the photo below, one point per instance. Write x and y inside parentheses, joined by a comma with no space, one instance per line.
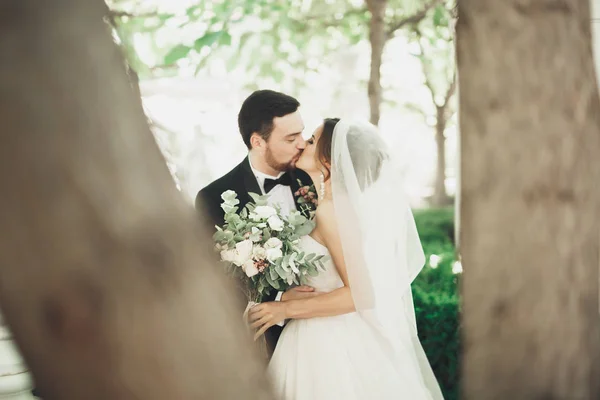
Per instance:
(322,188)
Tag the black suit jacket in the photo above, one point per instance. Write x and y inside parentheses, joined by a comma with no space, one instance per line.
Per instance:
(241,179)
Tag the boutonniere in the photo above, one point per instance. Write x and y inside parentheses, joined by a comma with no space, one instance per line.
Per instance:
(306,196)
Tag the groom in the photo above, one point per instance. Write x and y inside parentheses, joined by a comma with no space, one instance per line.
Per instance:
(271,127)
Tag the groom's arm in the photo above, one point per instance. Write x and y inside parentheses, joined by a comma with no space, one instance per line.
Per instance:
(208,204)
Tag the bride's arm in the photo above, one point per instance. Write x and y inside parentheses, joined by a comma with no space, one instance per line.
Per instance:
(338,301)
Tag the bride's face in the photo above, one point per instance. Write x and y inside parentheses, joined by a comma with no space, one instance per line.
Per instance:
(308,160)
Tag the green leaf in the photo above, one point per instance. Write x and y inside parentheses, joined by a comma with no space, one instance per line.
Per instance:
(164,17)
(225,39)
(273,273)
(305,228)
(218,236)
(266,234)
(280,271)
(208,39)
(244,40)
(272,282)
(286,260)
(438,15)
(176,54)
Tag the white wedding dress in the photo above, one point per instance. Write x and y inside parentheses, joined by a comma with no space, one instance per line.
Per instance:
(340,357)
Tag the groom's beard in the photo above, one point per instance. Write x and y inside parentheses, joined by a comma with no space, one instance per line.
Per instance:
(280,166)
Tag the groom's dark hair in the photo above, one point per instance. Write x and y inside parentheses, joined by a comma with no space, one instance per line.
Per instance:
(259,110)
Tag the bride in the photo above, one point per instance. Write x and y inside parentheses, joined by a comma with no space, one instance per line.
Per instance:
(357,337)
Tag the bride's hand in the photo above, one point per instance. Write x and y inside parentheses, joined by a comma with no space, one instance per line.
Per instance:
(265,315)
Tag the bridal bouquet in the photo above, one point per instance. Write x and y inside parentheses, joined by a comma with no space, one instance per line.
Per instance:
(260,246)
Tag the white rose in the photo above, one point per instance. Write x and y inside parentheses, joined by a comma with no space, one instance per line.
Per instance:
(259,253)
(274,254)
(273,243)
(243,252)
(255,230)
(264,212)
(249,268)
(275,223)
(228,255)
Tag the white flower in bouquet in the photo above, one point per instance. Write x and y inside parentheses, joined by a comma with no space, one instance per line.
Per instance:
(275,223)
(250,268)
(260,246)
(243,252)
(261,213)
(274,254)
(259,253)
(273,243)
(228,255)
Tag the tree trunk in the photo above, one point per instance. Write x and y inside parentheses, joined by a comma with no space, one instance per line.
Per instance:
(377,37)
(530,128)
(440,196)
(106,279)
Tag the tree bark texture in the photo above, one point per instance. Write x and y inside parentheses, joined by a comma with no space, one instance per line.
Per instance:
(106,279)
(530,142)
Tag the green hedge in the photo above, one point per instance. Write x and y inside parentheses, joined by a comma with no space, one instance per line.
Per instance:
(436,297)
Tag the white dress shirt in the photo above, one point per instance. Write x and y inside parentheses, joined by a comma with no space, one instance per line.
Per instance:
(280,194)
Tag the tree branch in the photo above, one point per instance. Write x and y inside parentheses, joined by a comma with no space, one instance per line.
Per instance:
(121,14)
(324,21)
(428,82)
(450,91)
(412,19)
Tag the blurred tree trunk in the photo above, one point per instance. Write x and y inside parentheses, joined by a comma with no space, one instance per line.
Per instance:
(440,196)
(442,116)
(380,31)
(530,125)
(377,38)
(105,278)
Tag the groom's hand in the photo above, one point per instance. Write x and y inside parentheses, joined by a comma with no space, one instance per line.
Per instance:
(298,292)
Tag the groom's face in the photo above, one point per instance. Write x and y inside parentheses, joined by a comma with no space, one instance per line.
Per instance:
(285,143)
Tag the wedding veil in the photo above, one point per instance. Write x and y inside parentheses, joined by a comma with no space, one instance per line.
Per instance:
(381,245)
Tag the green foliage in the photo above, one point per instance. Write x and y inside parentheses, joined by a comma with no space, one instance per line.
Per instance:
(268,38)
(436,228)
(178,52)
(436,298)
(438,325)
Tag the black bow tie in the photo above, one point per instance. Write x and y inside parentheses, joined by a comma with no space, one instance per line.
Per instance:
(284,179)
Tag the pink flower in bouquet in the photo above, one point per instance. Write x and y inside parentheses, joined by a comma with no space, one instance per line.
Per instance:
(261,265)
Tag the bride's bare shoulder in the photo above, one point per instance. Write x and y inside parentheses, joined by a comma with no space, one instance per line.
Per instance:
(325,214)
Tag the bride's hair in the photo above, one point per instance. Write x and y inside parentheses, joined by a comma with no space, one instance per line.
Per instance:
(324,144)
